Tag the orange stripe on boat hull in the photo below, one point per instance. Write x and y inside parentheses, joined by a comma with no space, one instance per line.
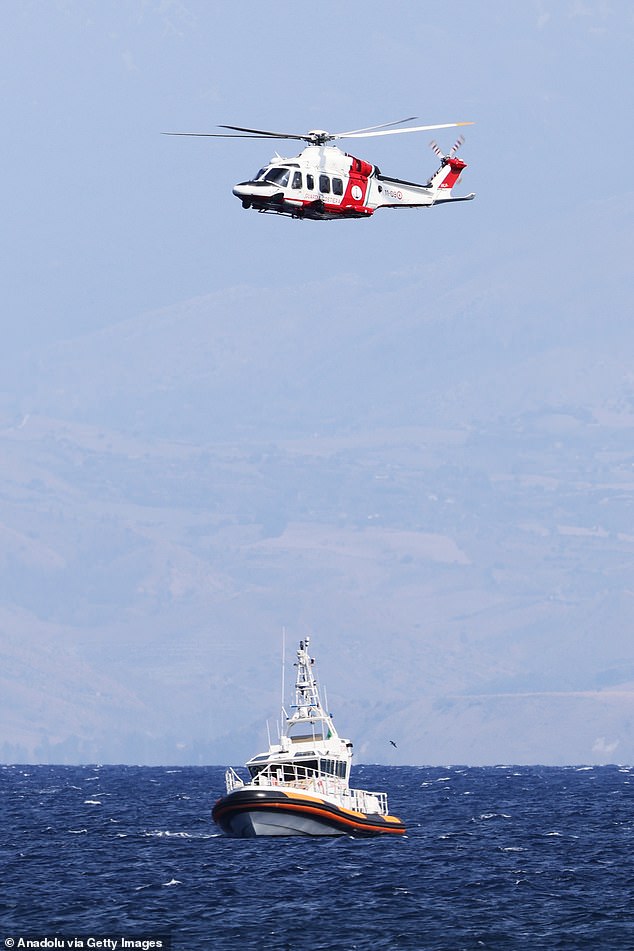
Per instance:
(362,827)
(357,822)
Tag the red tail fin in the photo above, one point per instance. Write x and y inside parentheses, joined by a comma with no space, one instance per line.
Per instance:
(449,173)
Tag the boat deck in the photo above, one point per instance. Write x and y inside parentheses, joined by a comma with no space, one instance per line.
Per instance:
(300,778)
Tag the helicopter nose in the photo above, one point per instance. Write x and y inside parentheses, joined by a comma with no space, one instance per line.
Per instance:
(257,193)
(242,190)
(252,188)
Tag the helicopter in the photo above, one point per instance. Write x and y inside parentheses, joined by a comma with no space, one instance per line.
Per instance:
(324,183)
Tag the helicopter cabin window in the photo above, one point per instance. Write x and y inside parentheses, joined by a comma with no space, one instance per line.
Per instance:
(337,186)
(324,184)
(310,182)
(297,180)
(278,176)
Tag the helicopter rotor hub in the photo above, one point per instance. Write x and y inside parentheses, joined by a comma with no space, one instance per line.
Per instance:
(318,136)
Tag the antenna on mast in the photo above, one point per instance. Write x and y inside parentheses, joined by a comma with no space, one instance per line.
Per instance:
(283,665)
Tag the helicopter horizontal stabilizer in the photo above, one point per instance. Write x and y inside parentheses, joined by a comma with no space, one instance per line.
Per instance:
(445,201)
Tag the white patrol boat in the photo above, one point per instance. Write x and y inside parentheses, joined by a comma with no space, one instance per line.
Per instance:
(301,785)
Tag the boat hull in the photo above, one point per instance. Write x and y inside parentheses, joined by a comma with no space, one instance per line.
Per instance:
(250,812)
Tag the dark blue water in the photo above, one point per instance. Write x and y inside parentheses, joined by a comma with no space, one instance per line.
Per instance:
(495,858)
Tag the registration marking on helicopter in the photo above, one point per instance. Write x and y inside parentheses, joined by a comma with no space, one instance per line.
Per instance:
(393,194)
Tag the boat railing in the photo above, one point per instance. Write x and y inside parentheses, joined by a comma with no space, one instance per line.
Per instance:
(232,780)
(365,801)
(294,776)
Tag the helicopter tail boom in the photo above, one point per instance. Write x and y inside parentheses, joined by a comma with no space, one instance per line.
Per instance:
(396,193)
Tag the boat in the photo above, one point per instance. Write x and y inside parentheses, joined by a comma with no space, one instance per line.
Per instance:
(301,785)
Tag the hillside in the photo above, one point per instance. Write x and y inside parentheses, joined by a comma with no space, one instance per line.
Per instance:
(434,479)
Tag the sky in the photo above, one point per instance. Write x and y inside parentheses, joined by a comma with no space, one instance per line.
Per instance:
(108,218)
(145,309)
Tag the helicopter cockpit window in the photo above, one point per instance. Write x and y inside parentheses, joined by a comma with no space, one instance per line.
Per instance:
(297,180)
(278,176)
(337,186)
(260,174)
(324,184)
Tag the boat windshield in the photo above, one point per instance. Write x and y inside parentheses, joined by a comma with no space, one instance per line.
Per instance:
(294,771)
(333,766)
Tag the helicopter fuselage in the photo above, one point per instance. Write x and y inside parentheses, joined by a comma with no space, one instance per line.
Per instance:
(323,182)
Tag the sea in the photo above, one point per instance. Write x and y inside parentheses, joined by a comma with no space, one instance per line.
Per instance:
(505,858)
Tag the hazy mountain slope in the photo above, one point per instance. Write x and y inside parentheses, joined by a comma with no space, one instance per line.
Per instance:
(434,344)
(433,475)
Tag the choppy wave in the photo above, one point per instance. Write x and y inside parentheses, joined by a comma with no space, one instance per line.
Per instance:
(503,858)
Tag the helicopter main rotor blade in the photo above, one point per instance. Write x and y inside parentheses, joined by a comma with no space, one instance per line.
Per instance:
(229,135)
(309,136)
(317,136)
(417,128)
(372,128)
(264,133)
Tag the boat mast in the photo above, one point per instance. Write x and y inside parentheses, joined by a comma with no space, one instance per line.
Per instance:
(307,705)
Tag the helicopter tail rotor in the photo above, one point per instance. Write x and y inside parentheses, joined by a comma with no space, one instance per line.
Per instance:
(452,152)
(457,144)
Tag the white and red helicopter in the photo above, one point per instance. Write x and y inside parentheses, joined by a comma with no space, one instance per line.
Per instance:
(322,182)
